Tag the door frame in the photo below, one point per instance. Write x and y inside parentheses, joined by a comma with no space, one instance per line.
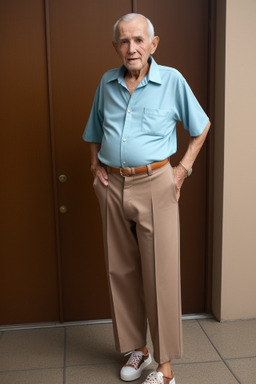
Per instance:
(210,155)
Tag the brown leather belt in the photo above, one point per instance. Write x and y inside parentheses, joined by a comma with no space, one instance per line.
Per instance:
(138,170)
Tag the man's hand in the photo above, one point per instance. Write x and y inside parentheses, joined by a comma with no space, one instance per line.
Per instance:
(96,168)
(100,172)
(179,174)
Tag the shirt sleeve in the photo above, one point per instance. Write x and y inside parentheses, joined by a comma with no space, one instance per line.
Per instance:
(189,111)
(93,131)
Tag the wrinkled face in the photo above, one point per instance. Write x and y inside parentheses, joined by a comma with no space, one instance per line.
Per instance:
(134,45)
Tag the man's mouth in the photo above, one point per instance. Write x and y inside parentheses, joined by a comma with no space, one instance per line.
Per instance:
(133,61)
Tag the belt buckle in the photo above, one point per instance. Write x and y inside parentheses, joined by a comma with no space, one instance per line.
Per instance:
(123,169)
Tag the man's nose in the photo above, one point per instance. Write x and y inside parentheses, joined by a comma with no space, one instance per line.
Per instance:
(132,47)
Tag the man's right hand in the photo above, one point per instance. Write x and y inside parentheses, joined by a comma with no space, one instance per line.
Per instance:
(96,167)
(100,172)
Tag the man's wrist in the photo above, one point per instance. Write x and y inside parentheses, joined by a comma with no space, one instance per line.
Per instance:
(188,171)
(93,165)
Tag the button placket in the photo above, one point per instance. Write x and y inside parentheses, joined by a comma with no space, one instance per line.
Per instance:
(128,120)
(126,129)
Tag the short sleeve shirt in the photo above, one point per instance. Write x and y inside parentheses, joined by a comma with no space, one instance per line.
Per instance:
(140,129)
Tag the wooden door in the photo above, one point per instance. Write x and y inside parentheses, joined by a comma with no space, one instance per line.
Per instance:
(81,51)
(53,54)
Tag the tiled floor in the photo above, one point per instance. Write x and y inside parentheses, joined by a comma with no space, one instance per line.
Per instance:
(84,354)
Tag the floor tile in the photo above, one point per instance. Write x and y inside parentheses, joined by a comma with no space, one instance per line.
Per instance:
(45,376)
(204,373)
(244,369)
(95,344)
(98,374)
(196,346)
(232,338)
(42,348)
(91,344)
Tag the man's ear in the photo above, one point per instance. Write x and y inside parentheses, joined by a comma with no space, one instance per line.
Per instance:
(154,44)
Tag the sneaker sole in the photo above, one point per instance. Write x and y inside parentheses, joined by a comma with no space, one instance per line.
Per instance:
(137,374)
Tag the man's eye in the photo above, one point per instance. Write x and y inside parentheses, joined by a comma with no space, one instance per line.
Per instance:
(139,40)
(123,42)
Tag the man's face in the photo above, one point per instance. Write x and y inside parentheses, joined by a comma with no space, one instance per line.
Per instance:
(134,45)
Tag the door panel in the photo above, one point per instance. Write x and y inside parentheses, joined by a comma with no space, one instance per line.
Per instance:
(81,51)
(28,272)
(183,30)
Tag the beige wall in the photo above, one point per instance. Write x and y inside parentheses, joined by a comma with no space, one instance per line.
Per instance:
(234,268)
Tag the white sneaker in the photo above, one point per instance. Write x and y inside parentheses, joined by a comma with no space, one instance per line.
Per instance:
(158,378)
(135,365)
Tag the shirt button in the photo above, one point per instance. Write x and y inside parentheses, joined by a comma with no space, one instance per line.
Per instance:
(129,111)
(124,139)
(124,162)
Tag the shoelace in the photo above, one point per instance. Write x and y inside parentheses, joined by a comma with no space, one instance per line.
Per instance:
(154,378)
(135,358)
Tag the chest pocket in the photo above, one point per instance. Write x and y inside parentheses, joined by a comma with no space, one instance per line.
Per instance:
(156,122)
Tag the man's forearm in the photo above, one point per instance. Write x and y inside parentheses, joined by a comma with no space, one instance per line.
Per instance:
(194,147)
(94,147)
(180,172)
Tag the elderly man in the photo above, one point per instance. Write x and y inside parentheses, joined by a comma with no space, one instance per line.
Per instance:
(132,131)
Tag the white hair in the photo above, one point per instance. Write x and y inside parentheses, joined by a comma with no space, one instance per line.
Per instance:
(129,17)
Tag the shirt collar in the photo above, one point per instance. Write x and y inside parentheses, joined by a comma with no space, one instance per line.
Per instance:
(153,74)
(117,74)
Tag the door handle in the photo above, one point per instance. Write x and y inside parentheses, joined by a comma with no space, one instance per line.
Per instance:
(63,209)
(63,178)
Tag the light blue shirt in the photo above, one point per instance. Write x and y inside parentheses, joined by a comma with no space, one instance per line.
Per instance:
(139,129)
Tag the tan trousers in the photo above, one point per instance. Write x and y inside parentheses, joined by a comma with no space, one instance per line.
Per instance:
(141,237)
